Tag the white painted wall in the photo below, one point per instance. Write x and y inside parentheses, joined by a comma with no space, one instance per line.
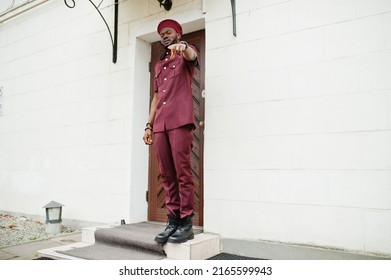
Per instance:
(298,120)
(72,121)
(298,123)
(65,131)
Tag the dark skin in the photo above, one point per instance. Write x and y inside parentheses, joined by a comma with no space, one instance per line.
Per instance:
(171,40)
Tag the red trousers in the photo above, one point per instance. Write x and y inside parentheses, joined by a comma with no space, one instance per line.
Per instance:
(173,150)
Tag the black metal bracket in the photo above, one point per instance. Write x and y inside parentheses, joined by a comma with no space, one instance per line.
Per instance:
(114,39)
(233,6)
(167,4)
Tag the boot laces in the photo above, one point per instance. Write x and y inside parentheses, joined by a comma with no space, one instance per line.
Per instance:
(171,222)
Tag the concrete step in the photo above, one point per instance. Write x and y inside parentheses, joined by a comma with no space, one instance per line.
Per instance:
(203,246)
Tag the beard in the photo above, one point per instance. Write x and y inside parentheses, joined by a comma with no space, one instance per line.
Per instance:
(168,43)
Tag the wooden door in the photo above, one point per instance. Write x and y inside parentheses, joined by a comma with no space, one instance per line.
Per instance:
(156,195)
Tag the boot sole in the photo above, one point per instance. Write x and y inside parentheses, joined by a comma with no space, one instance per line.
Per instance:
(161,241)
(170,240)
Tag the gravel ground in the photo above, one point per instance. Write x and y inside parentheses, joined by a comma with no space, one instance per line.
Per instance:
(15,230)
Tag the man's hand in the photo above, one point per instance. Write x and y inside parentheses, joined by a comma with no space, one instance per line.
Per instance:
(183,48)
(148,137)
(177,49)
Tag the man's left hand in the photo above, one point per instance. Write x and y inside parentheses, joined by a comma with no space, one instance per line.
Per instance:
(177,49)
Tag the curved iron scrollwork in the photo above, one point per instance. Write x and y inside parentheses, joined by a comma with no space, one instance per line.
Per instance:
(70,6)
(114,38)
(233,6)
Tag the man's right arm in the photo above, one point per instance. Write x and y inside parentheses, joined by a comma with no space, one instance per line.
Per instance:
(149,128)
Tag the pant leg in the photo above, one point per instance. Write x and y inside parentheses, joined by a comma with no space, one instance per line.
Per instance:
(181,140)
(167,171)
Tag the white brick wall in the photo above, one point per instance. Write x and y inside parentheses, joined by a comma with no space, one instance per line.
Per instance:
(377,231)
(67,126)
(73,121)
(298,120)
(298,123)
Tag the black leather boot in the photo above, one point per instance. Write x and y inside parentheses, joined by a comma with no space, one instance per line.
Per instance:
(173,222)
(184,231)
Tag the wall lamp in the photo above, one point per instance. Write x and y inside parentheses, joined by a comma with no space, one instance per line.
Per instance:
(167,4)
(53,217)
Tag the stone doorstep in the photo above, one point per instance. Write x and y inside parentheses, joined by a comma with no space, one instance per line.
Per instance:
(203,246)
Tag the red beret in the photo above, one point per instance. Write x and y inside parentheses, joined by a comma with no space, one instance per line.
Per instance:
(169,23)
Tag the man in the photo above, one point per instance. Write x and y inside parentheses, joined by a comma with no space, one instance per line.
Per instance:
(171,125)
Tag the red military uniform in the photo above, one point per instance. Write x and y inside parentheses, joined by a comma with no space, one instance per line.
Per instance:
(173,131)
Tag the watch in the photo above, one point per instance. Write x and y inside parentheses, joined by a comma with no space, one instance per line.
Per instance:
(185,43)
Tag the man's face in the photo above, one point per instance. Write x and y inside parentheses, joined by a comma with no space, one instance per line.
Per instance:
(169,36)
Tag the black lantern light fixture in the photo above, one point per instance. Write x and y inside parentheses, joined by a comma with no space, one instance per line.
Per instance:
(167,4)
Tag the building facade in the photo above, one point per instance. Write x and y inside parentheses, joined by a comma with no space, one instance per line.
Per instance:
(297,125)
